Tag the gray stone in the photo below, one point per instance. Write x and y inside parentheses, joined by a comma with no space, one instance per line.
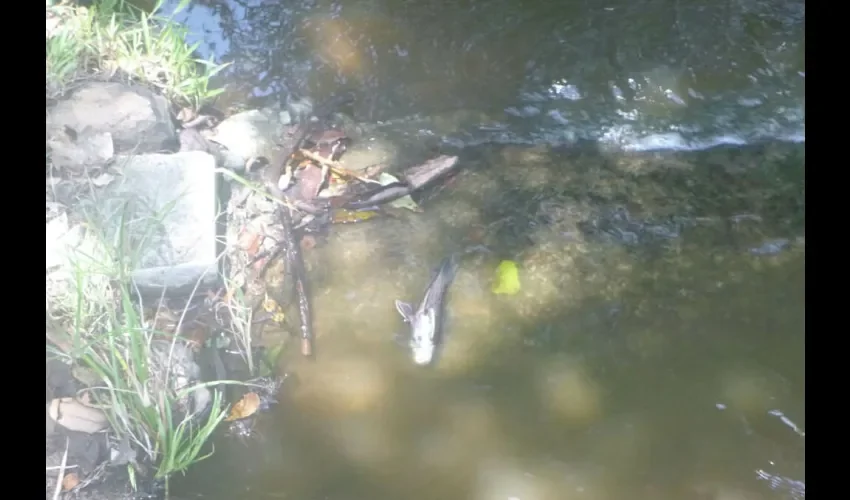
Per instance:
(168,206)
(86,149)
(139,120)
(192,139)
(252,133)
(369,152)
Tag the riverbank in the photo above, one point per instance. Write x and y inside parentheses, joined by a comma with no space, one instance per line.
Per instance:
(126,407)
(630,266)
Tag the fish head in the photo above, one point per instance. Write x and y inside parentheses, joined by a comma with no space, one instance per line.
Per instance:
(422,339)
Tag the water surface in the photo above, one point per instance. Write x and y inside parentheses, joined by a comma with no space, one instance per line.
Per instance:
(656,349)
(642,74)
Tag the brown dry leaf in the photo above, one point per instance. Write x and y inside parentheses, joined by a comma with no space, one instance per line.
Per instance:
(249,241)
(70,481)
(245,407)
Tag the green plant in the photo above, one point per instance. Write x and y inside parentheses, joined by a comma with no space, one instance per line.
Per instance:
(115,37)
(240,318)
(134,376)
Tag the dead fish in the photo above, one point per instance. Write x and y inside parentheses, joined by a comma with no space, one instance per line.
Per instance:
(427,320)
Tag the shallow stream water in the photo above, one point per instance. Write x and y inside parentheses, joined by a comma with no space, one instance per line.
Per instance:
(656,349)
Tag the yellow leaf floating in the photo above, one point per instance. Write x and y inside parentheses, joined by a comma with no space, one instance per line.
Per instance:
(507,278)
(272,307)
(342,216)
(247,406)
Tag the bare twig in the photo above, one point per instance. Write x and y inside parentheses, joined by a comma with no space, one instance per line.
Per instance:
(335,166)
(62,468)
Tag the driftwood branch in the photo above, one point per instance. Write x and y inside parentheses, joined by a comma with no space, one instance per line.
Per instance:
(335,166)
(412,179)
(295,267)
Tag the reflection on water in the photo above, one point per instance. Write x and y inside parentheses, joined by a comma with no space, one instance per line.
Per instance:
(656,349)
(650,354)
(641,74)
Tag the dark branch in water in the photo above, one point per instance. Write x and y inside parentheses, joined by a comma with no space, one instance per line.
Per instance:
(413,179)
(295,266)
(292,247)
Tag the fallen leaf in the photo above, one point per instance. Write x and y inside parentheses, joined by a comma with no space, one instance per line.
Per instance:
(507,278)
(273,308)
(249,241)
(245,407)
(342,216)
(70,481)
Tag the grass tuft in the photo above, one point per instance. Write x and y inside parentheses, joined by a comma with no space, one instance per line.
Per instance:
(113,38)
(136,373)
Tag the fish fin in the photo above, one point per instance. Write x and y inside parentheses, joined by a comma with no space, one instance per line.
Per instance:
(402,339)
(405,309)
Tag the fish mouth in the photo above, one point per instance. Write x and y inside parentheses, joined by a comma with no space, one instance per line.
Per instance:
(423,355)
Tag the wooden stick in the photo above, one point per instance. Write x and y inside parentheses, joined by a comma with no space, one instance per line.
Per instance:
(335,166)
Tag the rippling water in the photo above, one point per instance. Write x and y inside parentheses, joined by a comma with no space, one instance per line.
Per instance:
(656,350)
(651,74)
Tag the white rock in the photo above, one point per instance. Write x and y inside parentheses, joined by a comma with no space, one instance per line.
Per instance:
(169,208)
(76,416)
(251,133)
(60,238)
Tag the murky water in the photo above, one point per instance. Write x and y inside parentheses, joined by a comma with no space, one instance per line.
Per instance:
(656,348)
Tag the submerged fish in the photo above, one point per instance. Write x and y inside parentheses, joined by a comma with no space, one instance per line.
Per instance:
(427,320)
